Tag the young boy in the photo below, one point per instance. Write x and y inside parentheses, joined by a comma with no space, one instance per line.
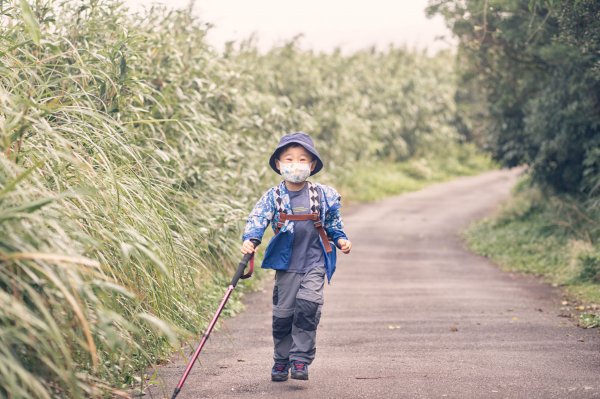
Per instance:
(305,216)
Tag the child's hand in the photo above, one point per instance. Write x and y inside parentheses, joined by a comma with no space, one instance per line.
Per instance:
(344,245)
(247,247)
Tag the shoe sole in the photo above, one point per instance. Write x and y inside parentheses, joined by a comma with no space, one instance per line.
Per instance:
(303,377)
(279,379)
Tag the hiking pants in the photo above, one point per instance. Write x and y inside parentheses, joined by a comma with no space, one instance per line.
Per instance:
(297,303)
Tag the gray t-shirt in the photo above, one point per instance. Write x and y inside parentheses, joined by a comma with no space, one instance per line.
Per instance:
(306,250)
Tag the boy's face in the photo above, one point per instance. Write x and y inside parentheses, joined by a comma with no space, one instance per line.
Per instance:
(296,154)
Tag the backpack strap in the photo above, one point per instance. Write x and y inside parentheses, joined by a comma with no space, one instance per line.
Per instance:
(280,208)
(313,198)
(315,208)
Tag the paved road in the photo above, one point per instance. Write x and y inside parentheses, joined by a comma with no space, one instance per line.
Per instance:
(411,314)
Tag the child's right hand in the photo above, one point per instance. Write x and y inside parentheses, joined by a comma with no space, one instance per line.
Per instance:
(247,247)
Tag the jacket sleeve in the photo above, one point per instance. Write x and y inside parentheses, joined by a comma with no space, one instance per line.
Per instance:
(260,217)
(334,226)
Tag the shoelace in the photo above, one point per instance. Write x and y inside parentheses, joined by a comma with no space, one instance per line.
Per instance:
(279,367)
(299,365)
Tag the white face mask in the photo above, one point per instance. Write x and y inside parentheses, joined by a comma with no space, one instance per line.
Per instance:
(294,172)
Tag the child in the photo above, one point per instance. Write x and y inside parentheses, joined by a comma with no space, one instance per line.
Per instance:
(305,216)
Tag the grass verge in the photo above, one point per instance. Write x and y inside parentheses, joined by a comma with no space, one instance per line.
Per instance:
(555,237)
(376,180)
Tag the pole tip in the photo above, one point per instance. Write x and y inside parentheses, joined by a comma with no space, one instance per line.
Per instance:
(175,393)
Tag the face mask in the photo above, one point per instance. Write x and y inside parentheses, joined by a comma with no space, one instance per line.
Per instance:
(294,172)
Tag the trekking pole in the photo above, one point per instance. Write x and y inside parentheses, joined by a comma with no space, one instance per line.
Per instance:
(239,274)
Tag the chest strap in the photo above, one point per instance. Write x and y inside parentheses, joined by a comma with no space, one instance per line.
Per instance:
(309,216)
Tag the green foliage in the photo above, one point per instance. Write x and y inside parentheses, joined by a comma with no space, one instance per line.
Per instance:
(529,85)
(557,237)
(131,154)
(590,267)
(353,101)
(589,320)
(376,180)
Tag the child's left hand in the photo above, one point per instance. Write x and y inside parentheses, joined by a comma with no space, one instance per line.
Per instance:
(344,245)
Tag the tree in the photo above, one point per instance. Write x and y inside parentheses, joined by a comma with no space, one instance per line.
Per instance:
(535,66)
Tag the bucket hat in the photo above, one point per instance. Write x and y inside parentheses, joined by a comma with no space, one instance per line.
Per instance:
(299,138)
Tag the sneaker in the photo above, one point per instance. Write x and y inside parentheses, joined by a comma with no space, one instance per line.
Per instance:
(299,370)
(279,372)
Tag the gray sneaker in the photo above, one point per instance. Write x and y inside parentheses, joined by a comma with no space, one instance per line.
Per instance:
(299,370)
(279,372)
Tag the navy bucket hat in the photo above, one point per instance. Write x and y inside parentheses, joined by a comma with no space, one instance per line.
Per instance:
(299,138)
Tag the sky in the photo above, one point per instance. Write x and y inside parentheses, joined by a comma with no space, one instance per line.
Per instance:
(325,24)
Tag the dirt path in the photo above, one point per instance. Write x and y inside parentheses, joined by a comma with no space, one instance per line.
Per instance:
(412,314)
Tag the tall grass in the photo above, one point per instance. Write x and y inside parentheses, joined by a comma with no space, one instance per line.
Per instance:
(131,153)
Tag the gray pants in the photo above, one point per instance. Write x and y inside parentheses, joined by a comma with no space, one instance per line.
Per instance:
(297,303)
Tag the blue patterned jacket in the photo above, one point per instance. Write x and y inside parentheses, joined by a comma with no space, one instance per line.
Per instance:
(279,249)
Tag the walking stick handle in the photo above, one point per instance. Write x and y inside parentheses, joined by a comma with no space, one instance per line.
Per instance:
(240,270)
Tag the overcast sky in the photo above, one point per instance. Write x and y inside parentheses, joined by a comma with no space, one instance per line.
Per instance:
(326,24)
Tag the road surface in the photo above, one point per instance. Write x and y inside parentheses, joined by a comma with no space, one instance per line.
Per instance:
(410,313)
